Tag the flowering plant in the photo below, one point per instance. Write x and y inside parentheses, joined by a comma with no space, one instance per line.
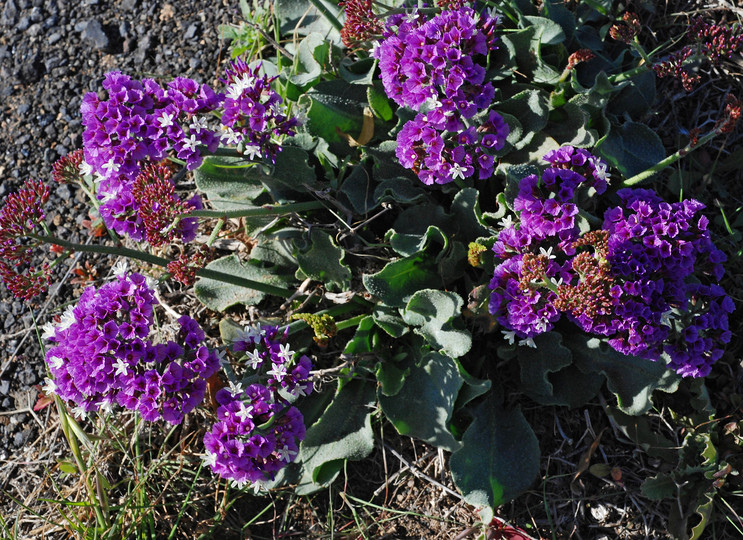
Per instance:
(453,194)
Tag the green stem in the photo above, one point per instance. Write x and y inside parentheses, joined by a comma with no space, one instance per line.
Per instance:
(349,323)
(215,232)
(161,261)
(626,75)
(670,160)
(266,210)
(322,8)
(77,455)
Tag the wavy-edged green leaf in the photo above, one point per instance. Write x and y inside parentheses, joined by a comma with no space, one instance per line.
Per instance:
(436,314)
(531,108)
(632,379)
(499,457)
(228,182)
(423,407)
(218,295)
(323,261)
(400,279)
(631,148)
(342,432)
(548,377)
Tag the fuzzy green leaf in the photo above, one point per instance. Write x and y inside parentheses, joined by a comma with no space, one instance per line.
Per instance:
(218,296)
(342,432)
(632,379)
(229,183)
(399,280)
(423,407)
(436,314)
(632,148)
(323,261)
(499,458)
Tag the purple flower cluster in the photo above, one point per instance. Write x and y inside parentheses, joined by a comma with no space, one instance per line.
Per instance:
(439,147)
(654,248)
(636,281)
(103,355)
(140,120)
(258,431)
(438,65)
(253,112)
(441,59)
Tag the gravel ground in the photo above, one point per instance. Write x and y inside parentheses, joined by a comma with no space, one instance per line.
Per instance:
(51,54)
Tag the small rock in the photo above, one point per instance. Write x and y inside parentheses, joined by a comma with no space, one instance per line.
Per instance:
(55,37)
(191,31)
(128,5)
(4,387)
(9,14)
(95,34)
(63,191)
(23,24)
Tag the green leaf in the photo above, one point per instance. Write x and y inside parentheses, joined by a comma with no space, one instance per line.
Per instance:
(659,487)
(229,183)
(410,244)
(548,32)
(364,340)
(323,261)
(631,148)
(312,54)
(334,106)
(342,432)
(218,296)
(357,71)
(644,435)
(568,126)
(437,316)
(391,375)
(632,379)
(302,17)
(359,188)
(399,189)
(399,280)
(499,458)
(531,108)
(389,320)
(467,216)
(423,407)
(379,103)
(548,377)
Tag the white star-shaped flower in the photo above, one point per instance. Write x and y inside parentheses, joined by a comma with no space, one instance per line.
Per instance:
(278,372)
(210,459)
(457,171)
(412,16)
(166,120)
(230,136)
(190,143)
(506,222)
(246,411)
(50,387)
(285,352)
(67,318)
(55,362)
(197,124)
(235,388)
(547,252)
(510,336)
(111,167)
(254,359)
(600,170)
(78,412)
(285,454)
(48,331)
(106,406)
(98,178)
(239,484)
(666,318)
(299,390)
(120,268)
(528,342)
(85,169)
(556,282)
(235,91)
(121,367)
(249,333)
(252,151)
